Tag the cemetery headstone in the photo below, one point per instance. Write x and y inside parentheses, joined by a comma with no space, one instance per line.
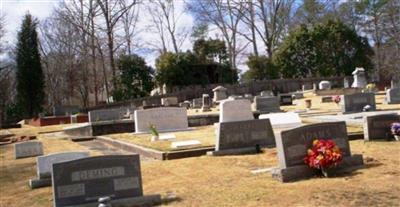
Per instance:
(45,162)
(356,102)
(266,104)
(393,96)
(360,80)
(65,110)
(84,181)
(164,119)
(378,126)
(235,110)
(286,99)
(325,85)
(346,83)
(185,104)
(292,146)
(28,149)
(169,101)
(110,114)
(243,136)
(206,103)
(219,93)
(395,83)
(283,120)
(197,102)
(298,95)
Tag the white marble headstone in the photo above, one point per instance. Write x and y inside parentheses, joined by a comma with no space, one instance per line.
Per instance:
(164,119)
(283,120)
(235,110)
(45,162)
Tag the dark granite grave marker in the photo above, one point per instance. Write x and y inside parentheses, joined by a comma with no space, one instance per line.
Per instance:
(266,104)
(84,181)
(378,126)
(243,136)
(293,144)
(356,102)
(286,99)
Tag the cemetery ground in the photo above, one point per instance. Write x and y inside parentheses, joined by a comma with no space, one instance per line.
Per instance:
(226,180)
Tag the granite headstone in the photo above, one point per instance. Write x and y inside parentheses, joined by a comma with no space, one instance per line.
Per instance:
(28,149)
(378,126)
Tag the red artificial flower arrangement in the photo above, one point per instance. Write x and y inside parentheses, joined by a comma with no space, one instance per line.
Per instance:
(324,154)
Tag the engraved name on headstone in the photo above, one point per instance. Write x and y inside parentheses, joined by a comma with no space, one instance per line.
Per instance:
(84,181)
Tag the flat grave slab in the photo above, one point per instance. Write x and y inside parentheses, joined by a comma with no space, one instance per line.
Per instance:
(283,120)
(185,144)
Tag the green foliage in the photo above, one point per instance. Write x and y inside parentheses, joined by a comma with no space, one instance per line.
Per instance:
(208,64)
(331,49)
(30,78)
(260,68)
(135,79)
(13,113)
(154,130)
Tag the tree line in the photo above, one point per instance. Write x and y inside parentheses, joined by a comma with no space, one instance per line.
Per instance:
(89,49)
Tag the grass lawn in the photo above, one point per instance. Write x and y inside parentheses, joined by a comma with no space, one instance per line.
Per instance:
(227,181)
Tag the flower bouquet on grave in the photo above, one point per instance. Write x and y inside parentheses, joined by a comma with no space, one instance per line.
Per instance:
(395,128)
(323,155)
(154,132)
(336,99)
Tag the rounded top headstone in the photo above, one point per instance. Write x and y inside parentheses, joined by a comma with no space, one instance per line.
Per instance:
(324,85)
(358,71)
(219,88)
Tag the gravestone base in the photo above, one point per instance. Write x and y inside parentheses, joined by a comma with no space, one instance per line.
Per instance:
(239,151)
(38,183)
(299,172)
(146,200)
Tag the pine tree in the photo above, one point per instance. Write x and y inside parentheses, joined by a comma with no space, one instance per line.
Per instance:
(30,78)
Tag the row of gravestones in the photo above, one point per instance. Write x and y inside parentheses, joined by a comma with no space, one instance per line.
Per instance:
(80,180)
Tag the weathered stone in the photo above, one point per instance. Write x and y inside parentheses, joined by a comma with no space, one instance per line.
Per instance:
(45,162)
(393,96)
(28,149)
(84,181)
(164,119)
(110,114)
(219,93)
(356,102)
(283,120)
(360,80)
(235,110)
(292,148)
(286,99)
(185,104)
(185,144)
(169,101)
(244,134)
(378,126)
(197,102)
(325,85)
(266,104)
(206,103)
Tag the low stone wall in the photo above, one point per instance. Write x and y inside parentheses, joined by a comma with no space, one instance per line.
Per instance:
(46,121)
(254,88)
(337,91)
